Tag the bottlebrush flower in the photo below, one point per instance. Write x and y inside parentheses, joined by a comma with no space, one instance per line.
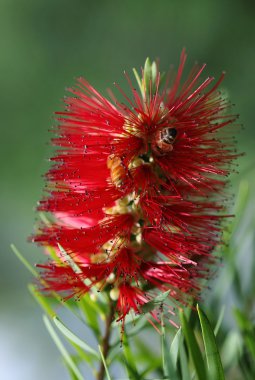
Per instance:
(136,189)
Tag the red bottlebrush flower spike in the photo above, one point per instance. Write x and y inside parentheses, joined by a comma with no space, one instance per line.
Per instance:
(136,190)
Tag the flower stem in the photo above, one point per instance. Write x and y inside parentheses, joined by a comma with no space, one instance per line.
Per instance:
(105,344)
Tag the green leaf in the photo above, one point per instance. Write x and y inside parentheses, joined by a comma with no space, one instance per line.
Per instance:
(241,202)
(104,363)
(243,322)
(71,373)
(214,364)
(114,353)
(250,344)
(67,258)
(175,347)
(129,359)
(157,301)
(219,321)
(75,267)
(74,338)
(147,75)
(44,219)
(154,71)
(67,358)
(169,369)
(46,301)
(91,310)
(138,79)
(147,84)
(146,355)
(247,328)
(184,364)
(231,349)
(193,347)
(42,301)
(24,261)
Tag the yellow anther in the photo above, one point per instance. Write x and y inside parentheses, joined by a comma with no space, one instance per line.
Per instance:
(111,278)
(114,294)
(99,258)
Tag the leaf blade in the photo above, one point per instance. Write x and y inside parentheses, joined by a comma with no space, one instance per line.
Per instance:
(214,364)
(69,361)
(41,300)
(193,347)
(104,363)
(175,347)
(72,337)
(24,261)
(169,370)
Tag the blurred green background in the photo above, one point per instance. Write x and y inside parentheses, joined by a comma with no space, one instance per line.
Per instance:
(45,44)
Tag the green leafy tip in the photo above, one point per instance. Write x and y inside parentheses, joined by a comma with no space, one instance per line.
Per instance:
(24,261)
(148,82)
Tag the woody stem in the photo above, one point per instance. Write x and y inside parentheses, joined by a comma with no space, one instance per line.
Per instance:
(105,344)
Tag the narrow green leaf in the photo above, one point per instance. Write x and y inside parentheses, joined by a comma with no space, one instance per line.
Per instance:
(73,338)
(138,79)
(75,267)
(247,328)
(146,355)
(175,347)
(147,75)
(243,322)
(53,254)
(114,353)
(231,349)
(167,363)
(129,359)
(44,219)
(219,321)
(67,258)
(42,301)
(46,301)
(184,364)
(71,373)
(250,344)
(241,202)
(91,310)
(149,78)
(163,348)
(214,364)
(24,261)
(69,361)
(154,72)
(193,347)
(104,363)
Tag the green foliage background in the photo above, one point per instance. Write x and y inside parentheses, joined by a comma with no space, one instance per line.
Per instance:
(44,45)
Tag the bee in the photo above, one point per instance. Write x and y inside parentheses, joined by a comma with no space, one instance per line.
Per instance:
(162,141)
(118,171)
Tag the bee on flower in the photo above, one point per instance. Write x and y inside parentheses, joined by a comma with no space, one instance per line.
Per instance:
(136,189)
